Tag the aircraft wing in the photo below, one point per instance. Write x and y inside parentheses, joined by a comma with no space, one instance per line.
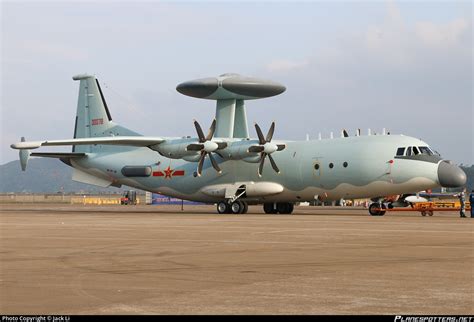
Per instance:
(144,141)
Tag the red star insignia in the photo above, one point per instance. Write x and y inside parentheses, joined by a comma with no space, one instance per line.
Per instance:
(168,173)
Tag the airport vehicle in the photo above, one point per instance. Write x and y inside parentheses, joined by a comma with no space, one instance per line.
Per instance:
(231,169)
(129,197)
(424,207)
(415,201)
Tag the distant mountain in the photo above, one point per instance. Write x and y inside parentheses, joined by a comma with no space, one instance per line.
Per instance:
(44,175)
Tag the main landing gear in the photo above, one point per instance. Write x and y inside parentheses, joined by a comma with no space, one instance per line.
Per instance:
(285,208)
(241,207)
(236,207)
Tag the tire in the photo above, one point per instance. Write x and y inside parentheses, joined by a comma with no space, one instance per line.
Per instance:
(246,207)
(292,207)
(285,208)
(269,208)
(430,213)
(237,207)
(223,207)
(374,212)
(423,213)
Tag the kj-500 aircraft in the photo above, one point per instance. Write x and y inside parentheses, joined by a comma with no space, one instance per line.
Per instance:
(231,169)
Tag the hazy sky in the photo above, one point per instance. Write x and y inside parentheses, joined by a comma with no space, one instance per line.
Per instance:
(405,66)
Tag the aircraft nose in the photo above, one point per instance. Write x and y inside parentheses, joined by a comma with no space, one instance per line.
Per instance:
(450,175)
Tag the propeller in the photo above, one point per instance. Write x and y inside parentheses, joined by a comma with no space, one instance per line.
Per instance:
(266,148)
(206,146)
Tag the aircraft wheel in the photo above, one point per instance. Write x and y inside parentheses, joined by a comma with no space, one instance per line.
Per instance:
(237,207)
(423,213)
(430,213)
(223,207)
(373,209)
(285,208)
(269,208)
(246,207)
(292,207)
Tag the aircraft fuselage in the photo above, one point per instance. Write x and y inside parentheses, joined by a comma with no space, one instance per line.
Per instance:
(329,169)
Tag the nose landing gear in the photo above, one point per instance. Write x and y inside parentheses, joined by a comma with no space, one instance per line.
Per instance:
(376,209)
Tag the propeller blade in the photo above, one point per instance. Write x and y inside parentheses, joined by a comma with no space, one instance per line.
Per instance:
(256,148)
(346,135)
(214,163)
(195,147)
(281,147)
(199,132)
(270,132)
(262,162)
(274,166)
(261,138)
(212,129)
(201,162)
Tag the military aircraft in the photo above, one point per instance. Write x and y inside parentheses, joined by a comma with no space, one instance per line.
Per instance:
(228,168)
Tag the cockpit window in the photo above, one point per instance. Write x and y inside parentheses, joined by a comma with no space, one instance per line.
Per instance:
(416,150)
(400,151)
(425,150)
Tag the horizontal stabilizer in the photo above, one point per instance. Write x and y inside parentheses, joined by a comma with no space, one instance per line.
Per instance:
(58,154)
(139,141)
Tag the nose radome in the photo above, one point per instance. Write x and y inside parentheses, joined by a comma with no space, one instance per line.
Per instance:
(450,175)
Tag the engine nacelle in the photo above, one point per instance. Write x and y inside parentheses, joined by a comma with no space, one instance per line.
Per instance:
(239,151)
(176,150)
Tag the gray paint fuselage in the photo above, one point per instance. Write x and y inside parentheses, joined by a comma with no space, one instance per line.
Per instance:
(371,171)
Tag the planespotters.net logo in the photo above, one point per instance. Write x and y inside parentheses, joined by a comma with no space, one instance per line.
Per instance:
(402,318)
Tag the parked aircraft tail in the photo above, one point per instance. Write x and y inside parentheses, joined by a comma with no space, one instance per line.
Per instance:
(93,118)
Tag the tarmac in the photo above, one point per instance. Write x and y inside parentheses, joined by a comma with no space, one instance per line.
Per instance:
(61,259)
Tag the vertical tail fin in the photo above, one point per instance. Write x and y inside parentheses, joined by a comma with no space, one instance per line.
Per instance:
(93,118)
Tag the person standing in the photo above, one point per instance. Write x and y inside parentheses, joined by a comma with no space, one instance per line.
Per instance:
(462,200)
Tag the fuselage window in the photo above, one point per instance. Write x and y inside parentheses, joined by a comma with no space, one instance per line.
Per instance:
(331,165)
(425,150)
(345,164)
(400,151)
